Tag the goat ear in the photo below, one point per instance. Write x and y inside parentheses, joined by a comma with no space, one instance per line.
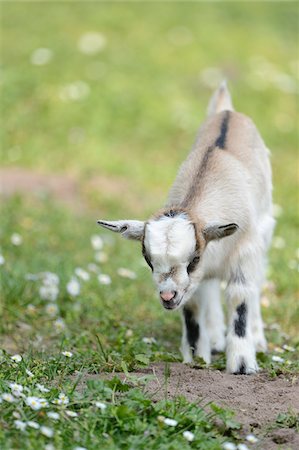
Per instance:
(216,231)
(129,229)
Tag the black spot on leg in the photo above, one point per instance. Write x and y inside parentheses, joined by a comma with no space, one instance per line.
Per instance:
(240,322)
(242,368)
(192,329)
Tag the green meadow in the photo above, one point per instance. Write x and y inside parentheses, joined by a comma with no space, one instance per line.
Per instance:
(107,98)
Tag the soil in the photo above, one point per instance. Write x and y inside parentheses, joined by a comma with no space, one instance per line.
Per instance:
(256,399)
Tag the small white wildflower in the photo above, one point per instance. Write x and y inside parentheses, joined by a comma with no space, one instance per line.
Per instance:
(20,425)
(229,446)
(29,373)
(126,273)
(277,359)
(278,242)
(242,447)
(277,211)
(129,333)
(170,422)
(2,260)
(288,348)
(188,435)
(53,415)
(42,388)
(92,42)
(101,257)
(104,279)
(16,415)
(16,358)
(51,309)
(73,287)
(16,239)
(81,273)
(34,403)
(41,56)
(96,242)
(93,268)
(101,405)
(44,403)
(71,413)
(78,90)
(33,424)
(64,400)
(67,354)
(251,438)
(59,324)
(49,292)
(46,431)
(8,397)
(80,448)
(278,350)
(31,309)
(16,389)
(49,447)
(50,278)
(149,340)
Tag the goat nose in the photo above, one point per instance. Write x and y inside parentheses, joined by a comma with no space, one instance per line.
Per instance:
(166,296)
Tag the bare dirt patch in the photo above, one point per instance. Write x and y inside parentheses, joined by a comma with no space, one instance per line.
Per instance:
(256,399)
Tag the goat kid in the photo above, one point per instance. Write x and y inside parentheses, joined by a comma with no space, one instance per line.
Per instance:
(217,225)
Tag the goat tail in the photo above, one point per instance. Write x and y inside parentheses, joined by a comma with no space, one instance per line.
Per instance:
(220,100)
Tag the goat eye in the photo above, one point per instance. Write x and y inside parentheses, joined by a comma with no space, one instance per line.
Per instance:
(191,267)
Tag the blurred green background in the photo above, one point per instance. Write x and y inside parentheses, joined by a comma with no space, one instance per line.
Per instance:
(108,97)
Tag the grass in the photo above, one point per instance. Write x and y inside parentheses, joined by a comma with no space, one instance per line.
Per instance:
(148,89)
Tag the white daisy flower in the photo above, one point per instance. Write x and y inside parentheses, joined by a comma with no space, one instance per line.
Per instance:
(16,358)
(49,447)
(188,435)
(92,42)
(51,309)
(78,90)
(16,239)
(2,260)
(129,333)
(67,354)
(16,415)
(49,292)
(288,348)
(80,448)
(101,257)
(73,287)
(96,242)
(170,422)
(149,340)
(251,438)
(61,400)
(44,403)
(59,324)
(20,425)
(93,268)
(277,359)
(229,446)
(53,415)
(34,403)
(71,413)
(81,273)
(46,431)
(50,278)
(33,424)
(104,279)
(8,397)
(42,388)
(101,405)
(16,389)
(29,373)
(41,56)
(242,447)
(126,273)
(278,242)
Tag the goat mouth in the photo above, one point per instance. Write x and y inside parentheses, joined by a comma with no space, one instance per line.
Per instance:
(171,305)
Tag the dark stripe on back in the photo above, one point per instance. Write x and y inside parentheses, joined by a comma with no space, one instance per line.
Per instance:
(221,140)
(192,329)
(219,143)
